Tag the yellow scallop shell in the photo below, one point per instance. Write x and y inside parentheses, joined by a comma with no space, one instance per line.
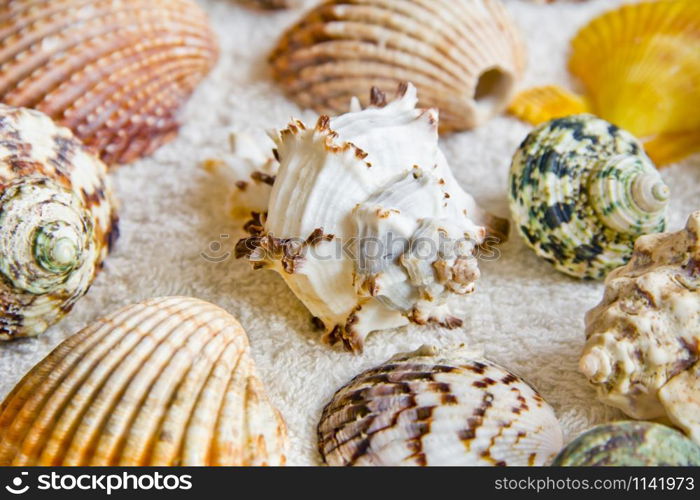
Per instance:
(639,66)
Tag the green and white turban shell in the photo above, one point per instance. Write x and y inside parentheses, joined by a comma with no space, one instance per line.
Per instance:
(582,191)
(57,221)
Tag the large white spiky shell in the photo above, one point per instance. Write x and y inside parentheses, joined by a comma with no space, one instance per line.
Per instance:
(438,407)
(57,221)
(366,223)
(169,381)
(115,72)
(465,56)
(643,349)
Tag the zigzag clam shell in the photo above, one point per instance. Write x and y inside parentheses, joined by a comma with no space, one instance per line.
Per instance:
(643,348)
(57,221)
(438,407)
(114,72)
(366,223)
(464,56)
(166,382)
(581,192)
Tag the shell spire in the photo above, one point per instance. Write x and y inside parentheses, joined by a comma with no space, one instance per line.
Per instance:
(582,191)
(166,382)
(57,221)
(642,353)
(379,234)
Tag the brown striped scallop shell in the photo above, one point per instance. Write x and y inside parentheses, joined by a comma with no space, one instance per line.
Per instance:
(434,407)
(57,221)
(464,56)
(166,382)
(115,72)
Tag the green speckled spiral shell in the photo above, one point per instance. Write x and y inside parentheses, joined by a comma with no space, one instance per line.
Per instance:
(581,191)
(57,221)
(630,444)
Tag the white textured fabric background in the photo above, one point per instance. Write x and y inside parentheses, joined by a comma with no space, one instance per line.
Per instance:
(524,314)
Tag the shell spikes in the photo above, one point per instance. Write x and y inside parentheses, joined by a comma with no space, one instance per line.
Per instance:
(643,349)
(366,223)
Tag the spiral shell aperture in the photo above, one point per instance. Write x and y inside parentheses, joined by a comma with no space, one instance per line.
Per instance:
(582,191)
(57,221)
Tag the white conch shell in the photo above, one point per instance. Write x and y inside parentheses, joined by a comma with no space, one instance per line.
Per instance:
(643,350)
(57,221)
(250,167)
(438,407)
(356,201)
(166,382)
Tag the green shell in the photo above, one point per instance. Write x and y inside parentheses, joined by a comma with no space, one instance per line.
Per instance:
(630,444)
(581,192)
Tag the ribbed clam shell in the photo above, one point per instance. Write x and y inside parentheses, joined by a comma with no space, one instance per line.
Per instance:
(639,67)
(57,221)
(115,72)
(435,407)
(629,444)
(581,192)
(642,352)
(464,56)
(166,382)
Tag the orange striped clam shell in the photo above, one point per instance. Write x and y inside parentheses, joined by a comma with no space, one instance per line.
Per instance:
(166,382)
(465,57)
(115,72)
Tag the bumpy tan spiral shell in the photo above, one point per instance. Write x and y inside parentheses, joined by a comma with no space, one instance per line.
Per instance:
(166,382)
(464,56)
(115,72)
(57,221)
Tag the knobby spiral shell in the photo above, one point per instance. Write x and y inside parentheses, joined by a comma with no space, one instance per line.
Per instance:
(166,382)
(643,348)
(57,221)
(367,224)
